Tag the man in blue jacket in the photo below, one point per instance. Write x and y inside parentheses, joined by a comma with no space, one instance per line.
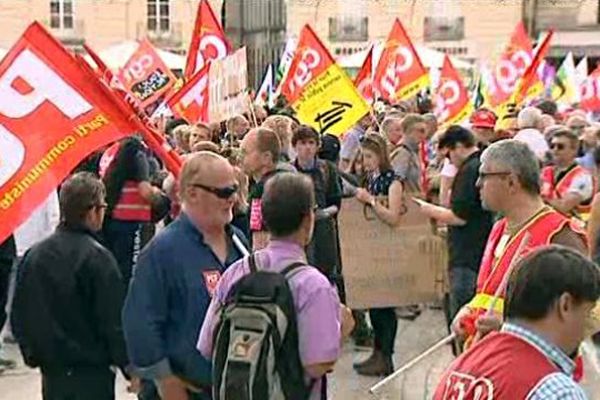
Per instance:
(175,278)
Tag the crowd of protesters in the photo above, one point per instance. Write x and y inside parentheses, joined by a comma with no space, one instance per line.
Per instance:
(143,267)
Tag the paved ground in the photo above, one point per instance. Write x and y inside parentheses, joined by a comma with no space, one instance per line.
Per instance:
(416,384)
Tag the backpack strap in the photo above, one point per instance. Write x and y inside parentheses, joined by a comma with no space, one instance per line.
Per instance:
(291,270)
(252,263)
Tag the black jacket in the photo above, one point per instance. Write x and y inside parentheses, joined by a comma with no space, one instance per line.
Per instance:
(66,311)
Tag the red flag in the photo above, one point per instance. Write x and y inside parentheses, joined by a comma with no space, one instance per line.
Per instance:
(53,114)
(530,77)
(364,78)
(399,74)
(145,75)
(208,41)
(510,67)
(191,101)
(451,97)
(590,92)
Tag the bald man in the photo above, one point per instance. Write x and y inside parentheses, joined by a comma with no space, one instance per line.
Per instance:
(175,278)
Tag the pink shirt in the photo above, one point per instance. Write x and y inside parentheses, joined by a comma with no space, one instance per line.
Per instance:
(315,298)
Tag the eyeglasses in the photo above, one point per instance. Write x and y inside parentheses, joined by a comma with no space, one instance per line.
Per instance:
(557,146)
(484,175)
(222,193)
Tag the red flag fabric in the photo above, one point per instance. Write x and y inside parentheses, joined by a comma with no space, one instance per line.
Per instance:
(208,41)
(400,74)
(364,78)
(530,76)
(145,75)
(451,98)
(191,101)
(53,114)
(510,67)
(590,92)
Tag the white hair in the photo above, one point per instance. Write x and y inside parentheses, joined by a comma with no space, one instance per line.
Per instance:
(529,117)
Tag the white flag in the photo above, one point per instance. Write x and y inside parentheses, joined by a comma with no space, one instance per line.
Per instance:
(265,94)
(285,62)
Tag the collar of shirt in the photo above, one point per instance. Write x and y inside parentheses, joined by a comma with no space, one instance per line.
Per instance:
(306,168)
(282,253)
(551,351)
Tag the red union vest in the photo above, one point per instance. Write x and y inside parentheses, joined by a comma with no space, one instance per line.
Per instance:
(555,190)
(131,205)
(499,367)
(500,251)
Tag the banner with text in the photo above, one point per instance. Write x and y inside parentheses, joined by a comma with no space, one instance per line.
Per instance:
(227,87)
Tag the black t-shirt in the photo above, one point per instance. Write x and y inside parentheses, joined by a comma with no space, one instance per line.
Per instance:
(466,243)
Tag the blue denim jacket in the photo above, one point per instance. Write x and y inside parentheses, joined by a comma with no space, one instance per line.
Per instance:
(167,301)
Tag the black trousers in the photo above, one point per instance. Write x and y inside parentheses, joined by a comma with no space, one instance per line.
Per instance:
(78,385)
(5,269)
(385,327)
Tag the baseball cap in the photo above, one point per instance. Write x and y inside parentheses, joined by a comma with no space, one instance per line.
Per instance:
(483,118)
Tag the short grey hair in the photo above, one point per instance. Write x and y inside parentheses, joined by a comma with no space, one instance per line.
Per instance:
(387,123)
(529,117)
(78,195)
(516,157)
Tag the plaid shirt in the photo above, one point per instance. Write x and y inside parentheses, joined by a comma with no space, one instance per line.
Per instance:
(555,386)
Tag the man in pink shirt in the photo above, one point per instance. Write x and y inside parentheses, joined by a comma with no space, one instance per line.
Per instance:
(288,212)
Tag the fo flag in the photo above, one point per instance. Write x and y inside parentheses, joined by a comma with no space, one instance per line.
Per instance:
(145,75)
(208,41)
(364,78)
(451,97)
(319,90)
(400,74)
(191,101)
(590,92)
(53,114)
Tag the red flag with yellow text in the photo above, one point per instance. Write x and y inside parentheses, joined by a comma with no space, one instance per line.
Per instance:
(364,79)
(399,74)
(530,76)
(53,114)
(145,75)
(320,92)
(451,98)
(191,101)
(208,41)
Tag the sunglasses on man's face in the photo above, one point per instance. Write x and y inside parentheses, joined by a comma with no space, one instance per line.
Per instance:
(222,193)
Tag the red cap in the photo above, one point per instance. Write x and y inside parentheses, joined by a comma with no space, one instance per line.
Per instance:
(483,118)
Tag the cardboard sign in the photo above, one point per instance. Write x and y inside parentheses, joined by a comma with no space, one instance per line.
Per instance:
(388,267)
(228,82)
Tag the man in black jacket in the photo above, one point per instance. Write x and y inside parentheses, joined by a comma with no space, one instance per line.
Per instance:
(66,313)
(8,252)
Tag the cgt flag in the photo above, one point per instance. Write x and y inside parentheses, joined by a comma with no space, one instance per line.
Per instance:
(53,113)
(400,74)
(590,92)
(145,75)
(451,98)
(364,78)
(191,101)
(208,41)
(319,90)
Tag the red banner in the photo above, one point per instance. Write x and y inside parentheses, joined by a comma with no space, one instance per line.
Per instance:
(208,41)
(191,101)
(53,114)
(452,98)
(364,78)
(145,75)
(510,67)
(400,74)
(530,77)
(590,92)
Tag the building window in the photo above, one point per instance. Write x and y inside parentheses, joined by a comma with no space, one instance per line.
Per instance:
(444,28)
(61,14)
(348,29)
(159,15)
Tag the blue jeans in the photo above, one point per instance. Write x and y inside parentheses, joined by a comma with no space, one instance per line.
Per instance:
(463,282)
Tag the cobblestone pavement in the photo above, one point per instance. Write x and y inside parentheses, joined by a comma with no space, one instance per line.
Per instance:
(417,384)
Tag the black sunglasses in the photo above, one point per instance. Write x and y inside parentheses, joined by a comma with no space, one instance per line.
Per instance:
(222,193)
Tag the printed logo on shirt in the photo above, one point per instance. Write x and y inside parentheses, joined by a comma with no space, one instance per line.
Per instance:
(466,387)
(211,280)
(256,220)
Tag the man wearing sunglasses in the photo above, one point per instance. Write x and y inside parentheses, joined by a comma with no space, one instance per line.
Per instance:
(175,279)
(509,184)
(567,186)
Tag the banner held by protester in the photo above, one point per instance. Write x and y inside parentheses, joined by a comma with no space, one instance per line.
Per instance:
(227,87)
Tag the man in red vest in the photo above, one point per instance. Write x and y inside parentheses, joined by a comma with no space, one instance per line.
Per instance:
(550,298)
(567,186)
(509,184)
